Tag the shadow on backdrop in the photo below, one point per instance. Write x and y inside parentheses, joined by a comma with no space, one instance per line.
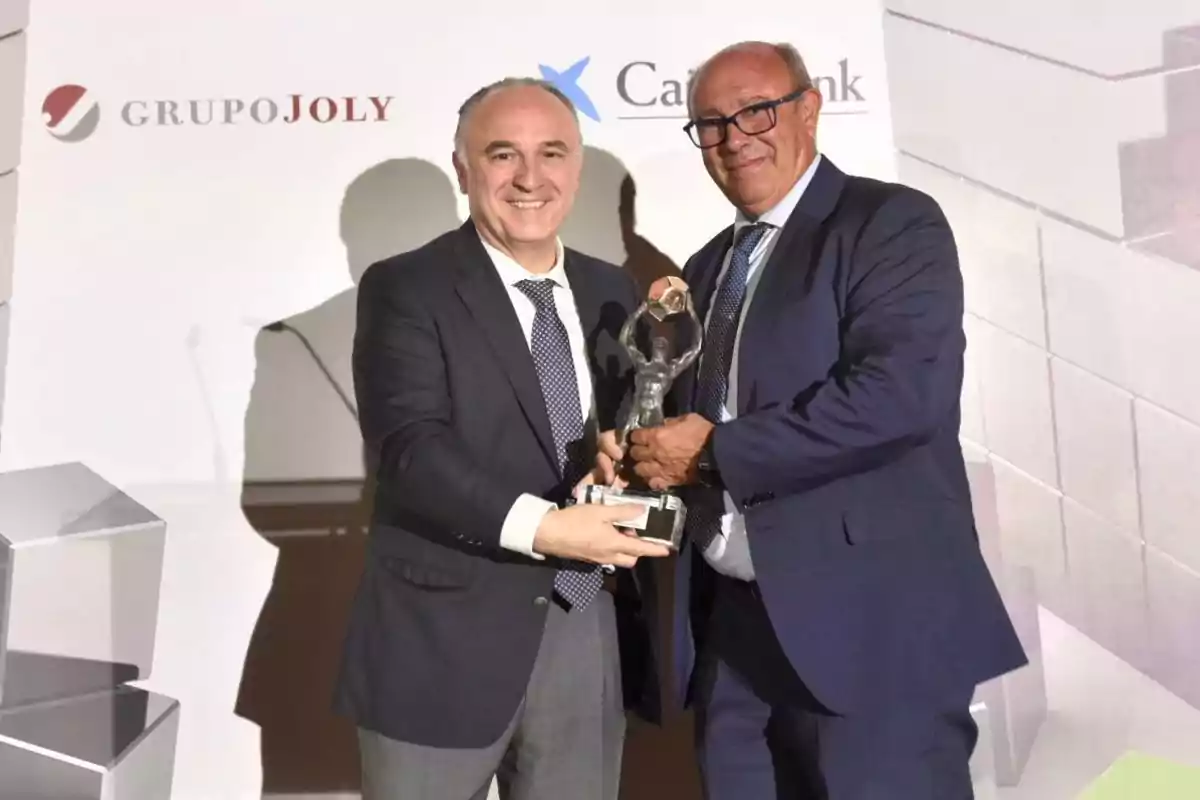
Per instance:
(659,762)
(305,492)
(304,488)
(603,222)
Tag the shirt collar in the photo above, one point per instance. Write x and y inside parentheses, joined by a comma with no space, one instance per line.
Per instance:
(512,273)
(777,216)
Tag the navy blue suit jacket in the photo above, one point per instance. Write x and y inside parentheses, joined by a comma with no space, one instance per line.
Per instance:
(446,623)
(844,457)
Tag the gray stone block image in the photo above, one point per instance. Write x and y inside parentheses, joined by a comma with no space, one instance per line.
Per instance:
(1069,168)
(80,572)
(117,744)
(1016,702)
(983,764)
(5,316)
(8,233)
(1014,706)
(1104,132)
(13,46)
(14,16)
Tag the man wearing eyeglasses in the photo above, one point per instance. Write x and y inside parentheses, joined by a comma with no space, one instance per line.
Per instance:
(840,609)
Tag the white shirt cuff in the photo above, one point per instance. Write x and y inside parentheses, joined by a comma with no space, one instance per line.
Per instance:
(521,524)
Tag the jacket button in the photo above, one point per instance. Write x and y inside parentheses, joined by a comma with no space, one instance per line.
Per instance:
(540,601)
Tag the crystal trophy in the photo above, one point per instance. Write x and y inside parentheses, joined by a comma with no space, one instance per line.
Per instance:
(664,512)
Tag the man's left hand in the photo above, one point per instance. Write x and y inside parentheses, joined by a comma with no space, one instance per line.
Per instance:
(606,469)
(668,455)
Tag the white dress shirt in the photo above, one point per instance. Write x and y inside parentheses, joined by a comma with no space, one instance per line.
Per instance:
(521,523)
(729,552)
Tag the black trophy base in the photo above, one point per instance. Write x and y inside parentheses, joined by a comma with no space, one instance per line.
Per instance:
(662,520)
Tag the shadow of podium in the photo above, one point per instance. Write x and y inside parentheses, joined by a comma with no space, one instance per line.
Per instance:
(293,657)
(291,664)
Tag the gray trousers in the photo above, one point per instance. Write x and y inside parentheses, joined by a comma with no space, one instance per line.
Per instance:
(564,742)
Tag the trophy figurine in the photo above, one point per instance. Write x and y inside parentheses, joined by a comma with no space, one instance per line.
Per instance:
(664,515)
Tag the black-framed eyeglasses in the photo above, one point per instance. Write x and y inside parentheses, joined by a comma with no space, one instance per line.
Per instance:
(752,120)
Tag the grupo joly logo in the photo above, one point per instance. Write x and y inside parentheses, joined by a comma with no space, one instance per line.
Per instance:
(72,113)
(647,90)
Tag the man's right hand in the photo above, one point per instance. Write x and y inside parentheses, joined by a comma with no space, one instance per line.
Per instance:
(588,532)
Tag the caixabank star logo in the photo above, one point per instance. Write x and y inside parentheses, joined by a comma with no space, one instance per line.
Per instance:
(72,113)
(567,82)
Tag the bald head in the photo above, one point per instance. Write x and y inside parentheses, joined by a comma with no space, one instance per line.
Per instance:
(472,103)
(518,157)
(763,88)
(761,56)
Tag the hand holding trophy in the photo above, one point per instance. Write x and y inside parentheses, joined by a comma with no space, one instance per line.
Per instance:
(654,373)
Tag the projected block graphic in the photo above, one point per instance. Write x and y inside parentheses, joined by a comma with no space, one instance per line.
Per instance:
(1016,702)
(117,744)
(8,235)
(1013,706)
(1050,134)
(14,16)
(1069,169)
(13,47)
(983,763)
(80,568)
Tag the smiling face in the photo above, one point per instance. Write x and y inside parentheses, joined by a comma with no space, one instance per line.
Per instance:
(755,171)
(519,164)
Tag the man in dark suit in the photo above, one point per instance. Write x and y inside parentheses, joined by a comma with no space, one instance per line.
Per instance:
(482,642)
(840,608)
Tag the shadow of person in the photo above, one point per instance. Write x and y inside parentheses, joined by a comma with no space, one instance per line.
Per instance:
(603,222)
(643,260)
(305,488)
(659,762)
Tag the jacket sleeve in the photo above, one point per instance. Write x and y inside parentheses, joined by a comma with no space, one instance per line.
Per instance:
(405,412)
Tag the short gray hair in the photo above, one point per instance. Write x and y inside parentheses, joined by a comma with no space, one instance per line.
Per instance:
(464,111)
(786,51)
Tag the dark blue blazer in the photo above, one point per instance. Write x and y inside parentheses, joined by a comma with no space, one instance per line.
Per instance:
(845,458)
(446,623)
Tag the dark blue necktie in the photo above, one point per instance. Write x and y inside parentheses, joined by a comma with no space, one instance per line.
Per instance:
(577,583)
(712,385)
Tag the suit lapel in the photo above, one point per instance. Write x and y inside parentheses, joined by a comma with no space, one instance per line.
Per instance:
(791,261)
(587,302)
(788,262)
(486,297)
(703,285)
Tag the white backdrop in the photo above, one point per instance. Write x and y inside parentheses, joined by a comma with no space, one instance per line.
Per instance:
(148,255)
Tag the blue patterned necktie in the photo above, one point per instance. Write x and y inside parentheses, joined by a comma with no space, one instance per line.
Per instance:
(712,385)
(575,583)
